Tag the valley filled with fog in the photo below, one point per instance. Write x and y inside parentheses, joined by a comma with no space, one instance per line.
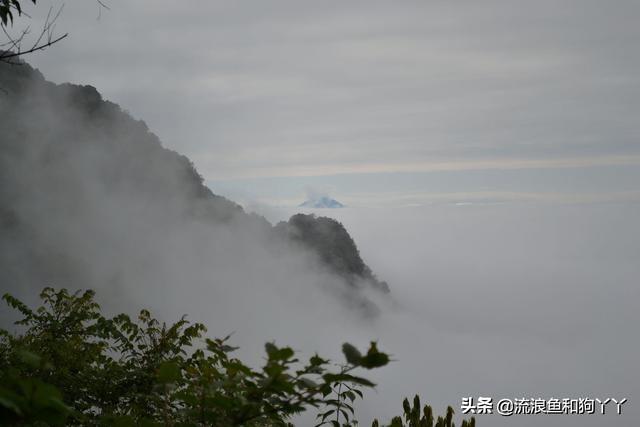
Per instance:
(503,300)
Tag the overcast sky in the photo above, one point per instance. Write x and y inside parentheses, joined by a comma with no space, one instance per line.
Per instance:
(258,89)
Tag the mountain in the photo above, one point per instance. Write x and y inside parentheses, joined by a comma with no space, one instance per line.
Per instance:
(331,241)
(321,203)
(89,197)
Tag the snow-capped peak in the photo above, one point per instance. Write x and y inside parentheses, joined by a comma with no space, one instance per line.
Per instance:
(321,203)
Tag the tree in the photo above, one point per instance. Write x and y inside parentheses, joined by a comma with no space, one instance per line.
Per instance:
(13,48)
(14,44)
(73,366)
(418,416)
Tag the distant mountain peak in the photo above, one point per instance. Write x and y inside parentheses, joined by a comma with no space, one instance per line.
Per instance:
(323,202)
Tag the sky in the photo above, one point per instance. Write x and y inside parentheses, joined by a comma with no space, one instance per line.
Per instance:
(372,90)
(487,153)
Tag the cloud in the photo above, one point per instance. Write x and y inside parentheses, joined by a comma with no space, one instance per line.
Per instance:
(293,89)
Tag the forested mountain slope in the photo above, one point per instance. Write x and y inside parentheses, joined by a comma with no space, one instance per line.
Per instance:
(90,198)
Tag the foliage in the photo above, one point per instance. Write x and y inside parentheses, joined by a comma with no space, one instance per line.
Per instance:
(414,416)
(120,371)
(12,47)
(6,7)
(345,389)
(26,399)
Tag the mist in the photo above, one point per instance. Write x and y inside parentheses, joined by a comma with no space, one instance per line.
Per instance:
(516,299)
(505,300)
(90,199)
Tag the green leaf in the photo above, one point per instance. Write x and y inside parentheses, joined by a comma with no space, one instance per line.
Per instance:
(336,378)
(29,358)
(10,404)
(351,353)
(308,382)
(123,421)
(374,358)
(278,354)
(323,416)
(317,361)
(169,372)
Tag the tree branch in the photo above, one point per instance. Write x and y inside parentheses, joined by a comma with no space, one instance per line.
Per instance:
(13,47)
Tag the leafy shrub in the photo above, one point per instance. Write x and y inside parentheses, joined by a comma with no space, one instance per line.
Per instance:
(70,365)
(142,371)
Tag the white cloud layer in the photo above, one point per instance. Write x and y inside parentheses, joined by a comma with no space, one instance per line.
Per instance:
(301,88)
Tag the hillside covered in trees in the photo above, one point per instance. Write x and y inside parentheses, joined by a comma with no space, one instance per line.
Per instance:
(90,197)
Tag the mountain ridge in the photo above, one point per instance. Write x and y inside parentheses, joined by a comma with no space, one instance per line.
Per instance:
(74,145)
